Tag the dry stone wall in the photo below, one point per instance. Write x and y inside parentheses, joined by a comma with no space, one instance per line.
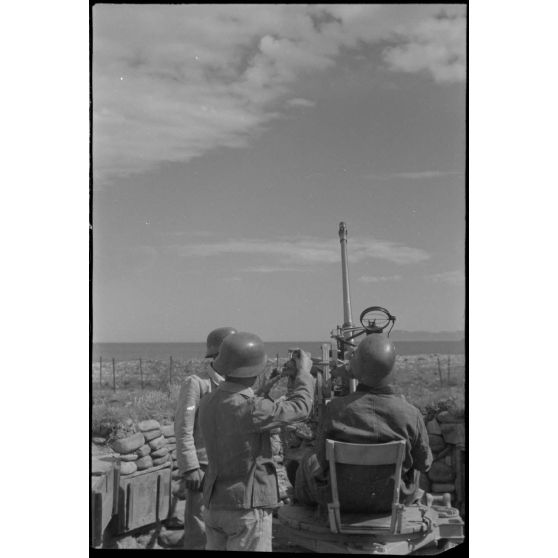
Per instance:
(446,433)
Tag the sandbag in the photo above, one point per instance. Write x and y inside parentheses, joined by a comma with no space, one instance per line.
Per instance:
(170,439)
(128,467)
(167,430)
(160,460)
(454,433)
(437,443)
(147,425)
(128,444)
(450,416)
(157,443)
(152,434)
(160,452)
(433,427)
(144,462)
(144,450)
(171,446)
(129,457)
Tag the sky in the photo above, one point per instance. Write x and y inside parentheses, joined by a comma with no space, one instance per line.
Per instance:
(229,141)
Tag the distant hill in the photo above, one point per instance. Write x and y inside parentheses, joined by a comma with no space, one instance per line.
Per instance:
(402,335)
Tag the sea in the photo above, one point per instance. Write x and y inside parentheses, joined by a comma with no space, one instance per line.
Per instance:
(189,351)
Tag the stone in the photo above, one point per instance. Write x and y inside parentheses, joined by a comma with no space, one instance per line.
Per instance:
(171,446)
(167,430)
(128,467)
(129,422)
(170,439)
(443,487)
(454,433)
(160,460)
(148,425)
(160,452)
(441,473)
(144,450)
(433,427)
(152,434)
(144,462)
(129,457)
(437,443)
(99,441)
(129,444)
(447,416)
(157,443)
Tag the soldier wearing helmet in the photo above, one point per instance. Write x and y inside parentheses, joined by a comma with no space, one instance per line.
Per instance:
(190,448)
(373,414)
(241,486)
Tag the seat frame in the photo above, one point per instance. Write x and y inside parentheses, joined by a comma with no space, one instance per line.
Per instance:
(391,453)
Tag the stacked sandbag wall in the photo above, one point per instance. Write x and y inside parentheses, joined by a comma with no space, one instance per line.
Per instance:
(150,446)
(446,433)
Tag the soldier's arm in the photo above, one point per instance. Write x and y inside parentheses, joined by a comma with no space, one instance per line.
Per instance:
(420,452)
(268,414)
(188,402)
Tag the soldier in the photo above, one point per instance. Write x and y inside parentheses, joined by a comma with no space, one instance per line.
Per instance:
(190,448)
(241,486)
(373,414)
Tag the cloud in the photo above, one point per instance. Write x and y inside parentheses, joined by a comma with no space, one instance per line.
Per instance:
(456,277)
(379,279)
(300,103)
(436,46)
(172,82)
(305,251)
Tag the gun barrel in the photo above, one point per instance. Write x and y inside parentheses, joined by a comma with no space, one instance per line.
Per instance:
(347,316)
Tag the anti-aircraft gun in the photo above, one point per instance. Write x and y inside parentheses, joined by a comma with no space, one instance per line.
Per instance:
(402,527)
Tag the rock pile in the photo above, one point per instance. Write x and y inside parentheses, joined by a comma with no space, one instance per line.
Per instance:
(152,446)
(446,433)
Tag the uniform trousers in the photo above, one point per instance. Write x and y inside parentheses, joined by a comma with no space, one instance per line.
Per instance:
(194,528)
(248,530)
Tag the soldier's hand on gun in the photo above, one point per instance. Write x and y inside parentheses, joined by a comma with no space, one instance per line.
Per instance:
(193,480)
(301,361)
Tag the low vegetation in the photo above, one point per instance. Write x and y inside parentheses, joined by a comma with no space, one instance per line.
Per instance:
(430,382)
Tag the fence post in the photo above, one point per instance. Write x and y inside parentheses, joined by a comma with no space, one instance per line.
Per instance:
(141,376)
(101,371)
(170,375)
(113,376)
(440,371)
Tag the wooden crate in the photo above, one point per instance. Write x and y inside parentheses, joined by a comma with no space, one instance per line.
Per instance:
(104,489)
(144,498)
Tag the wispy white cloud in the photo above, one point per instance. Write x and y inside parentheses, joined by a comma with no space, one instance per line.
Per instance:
(171,82)
(306,251)
(379,279)
(436,46)
(297,102)
(456,277)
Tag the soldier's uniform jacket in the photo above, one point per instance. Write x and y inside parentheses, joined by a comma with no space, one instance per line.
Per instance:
(375,416)
(235,425)
(190,448)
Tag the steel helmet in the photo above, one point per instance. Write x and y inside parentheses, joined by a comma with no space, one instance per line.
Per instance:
(215,338)
(373,359)
(241,355)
